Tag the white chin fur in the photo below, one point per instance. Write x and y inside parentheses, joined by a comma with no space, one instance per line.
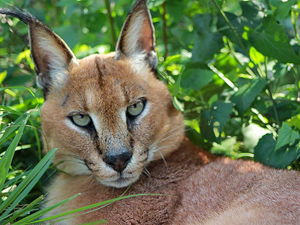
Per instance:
(119,182)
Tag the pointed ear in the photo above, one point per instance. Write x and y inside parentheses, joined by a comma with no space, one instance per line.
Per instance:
(50,53)
(137,39)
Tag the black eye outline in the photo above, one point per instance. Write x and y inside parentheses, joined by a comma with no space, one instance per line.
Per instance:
(130,116)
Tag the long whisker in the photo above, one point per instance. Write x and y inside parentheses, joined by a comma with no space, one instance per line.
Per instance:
(147,172)
(161,148)
(163,158)
(168,137)
(172,130)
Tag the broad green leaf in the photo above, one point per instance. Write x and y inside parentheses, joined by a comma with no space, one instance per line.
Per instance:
(286,136)
(246,94)
(256,56)
(272,41)
(207,43)
(280,70)
(196,78)
(282,8)
(251,17)
(155,3)
(213,120)
(294,121)
(206,126)
(265,153)
(176,8)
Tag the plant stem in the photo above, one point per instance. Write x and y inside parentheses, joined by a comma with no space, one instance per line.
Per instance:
(111,23)
(237,59)
(165,35)
(271,93)
(235,33)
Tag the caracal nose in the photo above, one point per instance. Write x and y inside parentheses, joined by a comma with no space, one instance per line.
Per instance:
(118,162)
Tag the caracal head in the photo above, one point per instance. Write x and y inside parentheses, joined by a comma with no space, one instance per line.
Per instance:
(109,115)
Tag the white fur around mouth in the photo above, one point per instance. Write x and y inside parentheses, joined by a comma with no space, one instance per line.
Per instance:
(119,182)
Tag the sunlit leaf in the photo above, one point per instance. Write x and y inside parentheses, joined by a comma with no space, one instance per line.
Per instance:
(272,41)
(265,152)
(246,94)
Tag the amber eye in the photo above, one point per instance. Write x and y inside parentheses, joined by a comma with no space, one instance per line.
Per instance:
(81,120)
(136,109)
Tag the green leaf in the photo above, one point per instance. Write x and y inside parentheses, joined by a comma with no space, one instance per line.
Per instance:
(280,70)
(282,8)
(177,104)
(286,136)
(155,3)
(2,76)
(294,121)
(256,56)
(196,78)
(246,94)
(177,84)
(175,8)
(213,120)
(265,153)
(207,43)
(272,41)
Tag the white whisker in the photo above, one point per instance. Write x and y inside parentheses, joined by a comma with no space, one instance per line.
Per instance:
(147,172)
(163,158)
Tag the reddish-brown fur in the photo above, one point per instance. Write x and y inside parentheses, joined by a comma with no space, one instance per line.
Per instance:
(198,188)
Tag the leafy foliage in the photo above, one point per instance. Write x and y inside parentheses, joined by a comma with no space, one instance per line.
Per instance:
(231,66)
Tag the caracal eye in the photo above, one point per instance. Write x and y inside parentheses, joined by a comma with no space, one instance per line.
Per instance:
(136,109)
(81,120)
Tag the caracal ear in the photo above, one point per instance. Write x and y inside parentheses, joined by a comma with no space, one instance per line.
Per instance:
(137,39)
(50,53)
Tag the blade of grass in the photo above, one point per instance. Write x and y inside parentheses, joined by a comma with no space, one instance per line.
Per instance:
(20,87)
(38,142)
(15,179)
(9,130)
(19,212)
(27,184)
(95,222)
(93,206)
(6,160)
(7,109)
(42,212)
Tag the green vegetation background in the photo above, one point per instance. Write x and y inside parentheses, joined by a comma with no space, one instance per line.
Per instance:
(231,66)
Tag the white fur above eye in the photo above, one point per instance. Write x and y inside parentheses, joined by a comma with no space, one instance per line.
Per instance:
(74,127)
(144,113)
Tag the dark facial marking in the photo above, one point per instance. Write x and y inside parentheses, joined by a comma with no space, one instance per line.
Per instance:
(66,100)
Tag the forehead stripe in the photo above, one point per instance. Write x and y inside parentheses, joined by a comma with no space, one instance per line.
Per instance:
(66,100)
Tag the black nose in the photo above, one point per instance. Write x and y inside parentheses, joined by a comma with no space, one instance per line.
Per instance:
(118,162)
